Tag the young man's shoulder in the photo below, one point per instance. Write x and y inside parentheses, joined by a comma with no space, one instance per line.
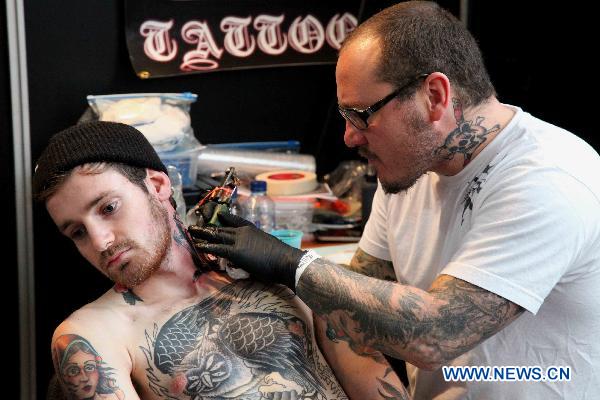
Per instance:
(90,342)
(103,318)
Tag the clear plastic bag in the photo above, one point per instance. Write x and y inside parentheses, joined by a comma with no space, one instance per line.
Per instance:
(345,181)
(164,118)
(177,190)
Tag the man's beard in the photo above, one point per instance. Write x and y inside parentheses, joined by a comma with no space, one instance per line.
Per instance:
(422,152)
(146,261)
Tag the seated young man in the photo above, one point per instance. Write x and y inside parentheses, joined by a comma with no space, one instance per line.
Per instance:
(159,333)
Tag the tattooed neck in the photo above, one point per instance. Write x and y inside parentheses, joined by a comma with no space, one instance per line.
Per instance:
(183,239)
(467,137)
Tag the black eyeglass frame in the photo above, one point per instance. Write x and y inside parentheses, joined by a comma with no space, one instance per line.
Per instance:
(365,113)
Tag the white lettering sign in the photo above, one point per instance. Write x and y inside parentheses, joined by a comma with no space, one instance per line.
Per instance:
(195,32)
(305,35)
(270,39)
(158,45)
(238,42)
(338,28)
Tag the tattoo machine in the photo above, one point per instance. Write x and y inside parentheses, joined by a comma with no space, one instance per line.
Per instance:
(222,197)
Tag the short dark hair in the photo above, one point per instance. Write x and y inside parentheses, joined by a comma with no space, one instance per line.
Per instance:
(421,37)
(135,175)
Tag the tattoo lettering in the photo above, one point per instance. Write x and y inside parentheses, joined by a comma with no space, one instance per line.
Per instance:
(81,370)
(240,343)
(395,319)
(366,264)
(467,136)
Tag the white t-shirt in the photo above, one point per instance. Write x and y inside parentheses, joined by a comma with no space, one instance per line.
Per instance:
(522,220)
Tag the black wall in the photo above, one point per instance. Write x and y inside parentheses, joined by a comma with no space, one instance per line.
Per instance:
(539,56)
(76,48)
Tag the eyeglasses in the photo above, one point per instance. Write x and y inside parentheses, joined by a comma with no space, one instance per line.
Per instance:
(359,118)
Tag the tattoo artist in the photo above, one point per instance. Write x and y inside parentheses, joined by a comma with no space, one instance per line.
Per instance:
(483,244)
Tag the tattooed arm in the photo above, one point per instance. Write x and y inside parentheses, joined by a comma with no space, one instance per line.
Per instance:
(362,375)
(89,363)
(366,264)
(364,372)
(425,328)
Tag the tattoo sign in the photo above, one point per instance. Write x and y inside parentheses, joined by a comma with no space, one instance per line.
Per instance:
(167,38)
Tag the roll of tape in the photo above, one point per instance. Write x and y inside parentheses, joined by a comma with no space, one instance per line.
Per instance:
(288,182)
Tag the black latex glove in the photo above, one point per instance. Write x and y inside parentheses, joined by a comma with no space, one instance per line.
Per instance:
(206,211)
(249,248)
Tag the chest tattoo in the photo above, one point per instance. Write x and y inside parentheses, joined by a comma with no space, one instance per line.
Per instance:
(242,343)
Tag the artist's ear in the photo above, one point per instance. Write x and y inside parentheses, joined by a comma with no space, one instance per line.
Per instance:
(437,88)
(158,184)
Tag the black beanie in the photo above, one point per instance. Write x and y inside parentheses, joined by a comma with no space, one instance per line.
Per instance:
(97,141)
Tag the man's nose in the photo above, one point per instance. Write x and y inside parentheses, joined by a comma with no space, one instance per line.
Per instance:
(354,137)
(101,236)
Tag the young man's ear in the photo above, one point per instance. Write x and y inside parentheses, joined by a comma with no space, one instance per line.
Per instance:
(158,183)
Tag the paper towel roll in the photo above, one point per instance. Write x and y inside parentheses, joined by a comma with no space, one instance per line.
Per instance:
(288,182)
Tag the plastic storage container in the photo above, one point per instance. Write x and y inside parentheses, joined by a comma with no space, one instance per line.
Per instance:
(295,214)
(184,157)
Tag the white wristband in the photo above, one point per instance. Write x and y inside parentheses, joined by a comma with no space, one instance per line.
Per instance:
(305,261)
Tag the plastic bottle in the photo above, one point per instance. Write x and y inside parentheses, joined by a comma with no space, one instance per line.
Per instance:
(236,206)
(259,208)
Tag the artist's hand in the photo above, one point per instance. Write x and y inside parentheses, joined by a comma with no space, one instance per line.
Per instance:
(205,212)
(249,248)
